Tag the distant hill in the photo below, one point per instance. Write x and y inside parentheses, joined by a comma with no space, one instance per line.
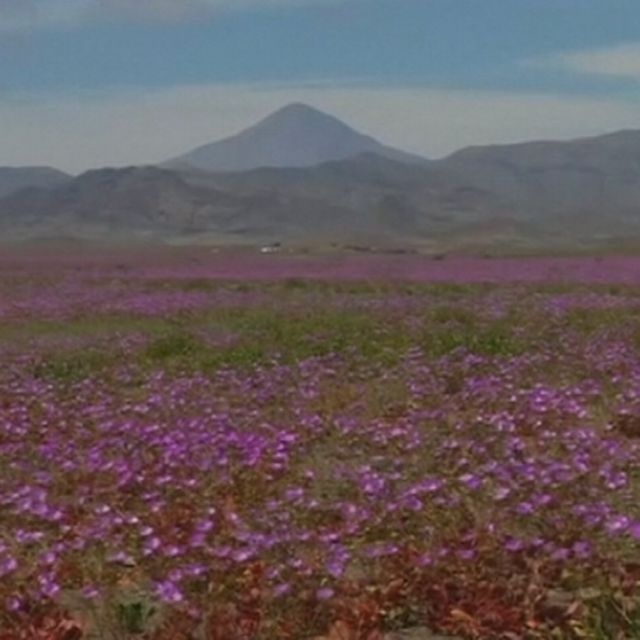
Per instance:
(363,196)
(579,193)
(295,136)
(15,178)
(112,199)
(597,176)
(162,203)
(386,196)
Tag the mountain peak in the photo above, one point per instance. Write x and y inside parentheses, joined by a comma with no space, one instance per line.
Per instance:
(296,135)
(301,122)
(296,109)
(299,111)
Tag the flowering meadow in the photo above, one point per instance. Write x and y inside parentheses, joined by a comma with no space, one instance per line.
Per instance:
(211,447)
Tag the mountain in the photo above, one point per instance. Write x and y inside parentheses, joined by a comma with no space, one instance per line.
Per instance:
(366,196)
(111,199)
(387,195)
(596,176)
(575,194)
(160,203)
(295,136)
(15,178)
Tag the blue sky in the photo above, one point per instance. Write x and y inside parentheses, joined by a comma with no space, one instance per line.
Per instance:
(85,83)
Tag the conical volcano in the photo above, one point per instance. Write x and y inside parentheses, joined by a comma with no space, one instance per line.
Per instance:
(295,136)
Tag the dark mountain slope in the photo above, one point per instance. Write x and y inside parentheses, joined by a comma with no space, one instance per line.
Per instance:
(577,191)
(114,201)
(16,178)
(597,176)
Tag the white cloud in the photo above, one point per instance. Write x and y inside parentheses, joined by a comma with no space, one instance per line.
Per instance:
(29,15)
(76,132)
(621,61)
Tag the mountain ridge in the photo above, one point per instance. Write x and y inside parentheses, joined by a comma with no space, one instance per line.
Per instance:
(540,192)
(16,178)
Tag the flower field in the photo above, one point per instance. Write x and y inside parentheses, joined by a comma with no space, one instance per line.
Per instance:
(277,448)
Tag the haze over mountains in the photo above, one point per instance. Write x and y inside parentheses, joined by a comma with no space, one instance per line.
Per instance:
(303,176)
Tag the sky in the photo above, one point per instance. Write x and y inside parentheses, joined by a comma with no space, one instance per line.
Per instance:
(90,83)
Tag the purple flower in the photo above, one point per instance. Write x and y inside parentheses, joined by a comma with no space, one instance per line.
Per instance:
(525,508)
(242,555)
(582,549)
(560,553)
(325,593)
(90,592)
(634,530)
(168,592)
(514,545)
(281,589)
(617,524)
(7,566)
(335,568)
(425,560)
(471,480)
(13,603)
(49,588)
(172,551)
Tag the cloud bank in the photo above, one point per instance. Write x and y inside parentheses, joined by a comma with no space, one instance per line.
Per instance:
(76,132)
(620,61)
